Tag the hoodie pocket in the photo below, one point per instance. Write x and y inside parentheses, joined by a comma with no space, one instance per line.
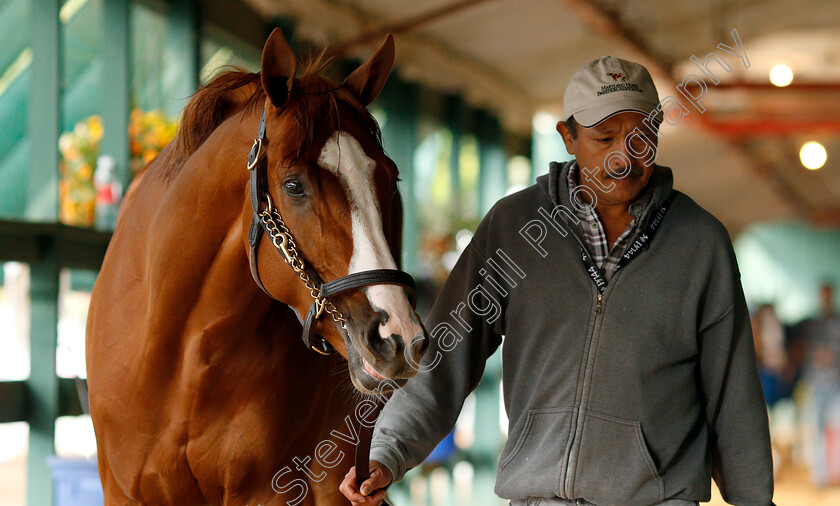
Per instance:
(531,461)
(614,465)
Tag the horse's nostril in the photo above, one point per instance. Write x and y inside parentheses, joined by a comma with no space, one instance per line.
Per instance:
(416,348)
(393,345)
(382,346)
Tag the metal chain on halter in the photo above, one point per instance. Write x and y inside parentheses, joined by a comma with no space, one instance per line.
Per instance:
(282,239)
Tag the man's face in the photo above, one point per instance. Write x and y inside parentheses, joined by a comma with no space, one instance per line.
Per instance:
(623,145)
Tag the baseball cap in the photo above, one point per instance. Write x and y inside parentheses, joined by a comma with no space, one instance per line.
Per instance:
(608,86)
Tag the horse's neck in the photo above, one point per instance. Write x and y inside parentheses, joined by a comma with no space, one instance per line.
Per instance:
(199,248)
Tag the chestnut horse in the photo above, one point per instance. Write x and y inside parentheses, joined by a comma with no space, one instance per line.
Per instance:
(200,389)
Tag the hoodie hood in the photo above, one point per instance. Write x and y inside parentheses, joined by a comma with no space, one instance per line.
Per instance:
(554,186)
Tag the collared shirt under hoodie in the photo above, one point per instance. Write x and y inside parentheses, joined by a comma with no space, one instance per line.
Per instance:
(595,236)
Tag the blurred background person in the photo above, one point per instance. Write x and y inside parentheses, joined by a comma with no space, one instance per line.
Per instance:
(821,372)
(777,377)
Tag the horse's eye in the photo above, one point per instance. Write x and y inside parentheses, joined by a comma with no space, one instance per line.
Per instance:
(294,188)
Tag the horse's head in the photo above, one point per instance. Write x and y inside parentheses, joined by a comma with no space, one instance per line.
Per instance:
(336,190)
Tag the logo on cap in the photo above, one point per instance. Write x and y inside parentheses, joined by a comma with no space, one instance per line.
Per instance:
(617,77)
(612,88)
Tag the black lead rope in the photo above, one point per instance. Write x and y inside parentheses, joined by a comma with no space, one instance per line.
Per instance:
(641,243)
(362,459)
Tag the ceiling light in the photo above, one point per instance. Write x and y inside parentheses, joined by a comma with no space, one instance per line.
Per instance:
(812,155)
(781,75)
(545,123)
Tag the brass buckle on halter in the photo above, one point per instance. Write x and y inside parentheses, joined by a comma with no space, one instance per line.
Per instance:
(328,349)
(258,145)
(283,245)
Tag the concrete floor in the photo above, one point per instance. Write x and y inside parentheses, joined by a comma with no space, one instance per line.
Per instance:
(793,488)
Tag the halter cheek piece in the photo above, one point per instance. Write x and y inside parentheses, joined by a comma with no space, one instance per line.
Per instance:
(267,219)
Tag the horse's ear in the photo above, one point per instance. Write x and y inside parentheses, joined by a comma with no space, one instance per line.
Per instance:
(278,67)
(369,79)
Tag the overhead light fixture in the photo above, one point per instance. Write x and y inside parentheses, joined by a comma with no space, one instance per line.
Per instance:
(781,75)
(812,155)
(545,123)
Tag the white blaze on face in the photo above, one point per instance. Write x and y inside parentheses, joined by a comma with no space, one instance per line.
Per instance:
(343,156)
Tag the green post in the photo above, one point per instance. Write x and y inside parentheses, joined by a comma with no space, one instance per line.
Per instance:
(454,114)
(44,112)
(42,385)
(181,56)
(399,136)
(115,100)
(487,443)
(42,205)
(492,177)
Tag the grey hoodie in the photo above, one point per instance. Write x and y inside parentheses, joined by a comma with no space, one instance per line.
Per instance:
(630,397)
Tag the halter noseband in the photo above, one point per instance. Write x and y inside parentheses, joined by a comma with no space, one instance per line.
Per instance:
(268,219)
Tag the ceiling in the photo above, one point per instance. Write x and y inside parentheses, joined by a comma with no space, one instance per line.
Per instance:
(739,158)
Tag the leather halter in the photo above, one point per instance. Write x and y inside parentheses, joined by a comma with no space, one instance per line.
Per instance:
(259,196)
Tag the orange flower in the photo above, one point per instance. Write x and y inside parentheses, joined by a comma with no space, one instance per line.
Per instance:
(150,139)
(85,172)
(96,128)
(72,154)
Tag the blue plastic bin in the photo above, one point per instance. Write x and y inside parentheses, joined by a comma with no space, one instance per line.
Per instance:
(76,482)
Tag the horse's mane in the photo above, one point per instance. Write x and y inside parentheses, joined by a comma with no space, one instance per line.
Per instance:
(313,104)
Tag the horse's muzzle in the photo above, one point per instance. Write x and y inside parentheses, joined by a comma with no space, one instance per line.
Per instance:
(390,357)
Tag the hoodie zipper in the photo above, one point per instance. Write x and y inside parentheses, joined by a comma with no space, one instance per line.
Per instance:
(571,463)
(586,387)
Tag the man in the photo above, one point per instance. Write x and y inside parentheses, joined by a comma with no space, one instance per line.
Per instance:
(629,369)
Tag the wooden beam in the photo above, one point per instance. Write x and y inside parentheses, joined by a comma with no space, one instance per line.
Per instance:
(12,401)
(606,24)
(406,25)
(79,248)
(751,127)
(828,218)
(767,87)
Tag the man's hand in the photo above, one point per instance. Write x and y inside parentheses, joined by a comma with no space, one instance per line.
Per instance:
(373,489)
